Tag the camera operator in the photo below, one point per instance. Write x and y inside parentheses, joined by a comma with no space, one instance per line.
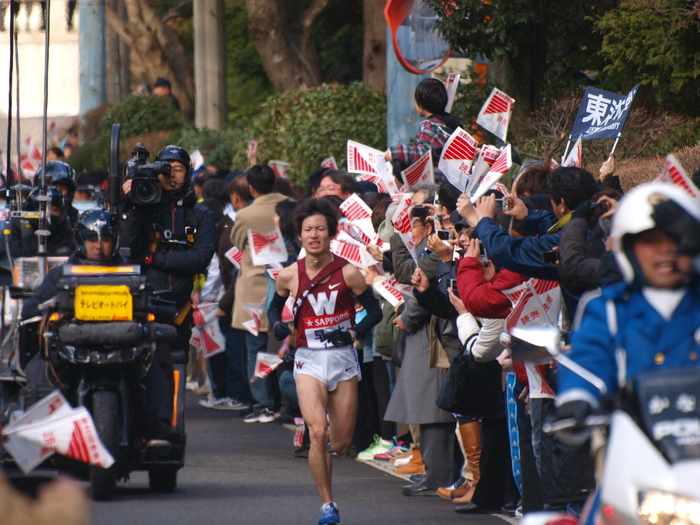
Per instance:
(174,239)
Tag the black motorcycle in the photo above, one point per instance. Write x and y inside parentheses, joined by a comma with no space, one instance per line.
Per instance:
(96,342)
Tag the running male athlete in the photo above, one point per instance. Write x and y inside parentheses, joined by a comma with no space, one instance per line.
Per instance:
(326,369)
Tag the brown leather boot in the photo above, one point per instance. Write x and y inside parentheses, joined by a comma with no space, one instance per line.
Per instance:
(415,466)
(471,439)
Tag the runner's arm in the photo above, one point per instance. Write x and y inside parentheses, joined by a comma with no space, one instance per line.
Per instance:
(356,283)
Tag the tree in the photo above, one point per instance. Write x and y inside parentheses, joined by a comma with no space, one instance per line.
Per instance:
(543,42)
(283,35)
(374,49)
(655,42)
(158,47)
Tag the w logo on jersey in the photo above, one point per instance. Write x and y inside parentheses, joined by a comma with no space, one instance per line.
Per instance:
(322,304)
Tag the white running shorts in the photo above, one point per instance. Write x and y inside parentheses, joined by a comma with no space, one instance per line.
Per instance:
(328,366)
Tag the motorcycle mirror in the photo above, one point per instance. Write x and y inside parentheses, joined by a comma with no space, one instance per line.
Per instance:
(534,342)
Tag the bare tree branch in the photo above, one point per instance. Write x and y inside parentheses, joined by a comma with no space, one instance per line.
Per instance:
(312,13)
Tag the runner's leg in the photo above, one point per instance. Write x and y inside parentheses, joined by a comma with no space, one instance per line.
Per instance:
(342,412)
(313,401)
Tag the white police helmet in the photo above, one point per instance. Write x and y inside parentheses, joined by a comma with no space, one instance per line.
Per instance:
(634,215)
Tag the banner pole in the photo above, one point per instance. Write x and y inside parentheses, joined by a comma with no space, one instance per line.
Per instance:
(615,144)
(566,152)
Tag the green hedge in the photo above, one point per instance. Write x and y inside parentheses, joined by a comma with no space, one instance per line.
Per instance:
(300,127)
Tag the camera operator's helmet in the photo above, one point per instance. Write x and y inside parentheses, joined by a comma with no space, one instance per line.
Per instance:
(55,197)
(178,154)
(96,225)
(636,215)
(57,172)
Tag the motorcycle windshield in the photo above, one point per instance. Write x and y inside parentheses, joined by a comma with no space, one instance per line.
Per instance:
(670,412)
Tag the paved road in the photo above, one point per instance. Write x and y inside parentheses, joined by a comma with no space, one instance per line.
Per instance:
(245,474)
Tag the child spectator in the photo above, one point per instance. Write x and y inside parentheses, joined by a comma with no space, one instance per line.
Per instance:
(431,99)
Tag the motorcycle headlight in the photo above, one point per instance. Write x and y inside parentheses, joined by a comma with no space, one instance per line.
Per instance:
(663,508)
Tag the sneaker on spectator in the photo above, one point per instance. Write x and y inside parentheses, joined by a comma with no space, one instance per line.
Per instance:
(239,405)
(260,416)
(392,452)
(218,403)
(192,385)
(404,456)
(380,446)
(329,514)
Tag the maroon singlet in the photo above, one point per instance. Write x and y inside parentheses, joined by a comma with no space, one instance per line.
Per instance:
(328,307)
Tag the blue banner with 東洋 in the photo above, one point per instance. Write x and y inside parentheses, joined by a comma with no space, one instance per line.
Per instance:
(602,114)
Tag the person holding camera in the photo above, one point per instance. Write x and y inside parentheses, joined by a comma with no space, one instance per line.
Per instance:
(174,239)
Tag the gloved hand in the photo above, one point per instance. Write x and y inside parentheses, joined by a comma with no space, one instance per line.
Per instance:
(578,411)
(340,337)
(281,330)
(678,224)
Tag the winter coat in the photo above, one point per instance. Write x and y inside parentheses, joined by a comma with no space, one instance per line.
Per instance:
(251,284)
(638,341)
(485,298)
(520,255)
(174,264)
(417,385)
(580,251)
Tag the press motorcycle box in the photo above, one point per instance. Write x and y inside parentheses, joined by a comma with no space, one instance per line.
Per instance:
(102,293)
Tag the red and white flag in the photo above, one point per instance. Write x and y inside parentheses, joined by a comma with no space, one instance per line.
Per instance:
(402,222)
(256,312)
(392,290)
(235,256)
(359,214)
(353,253)
(355,232)
(501,165)
(330,163)
(280,168)
(420,172)
(265,364)
(575,155)
(495,114)
(457,158)
(487,156)
(54,426)
(206,335)
(365,160)
(287,312)
(384,185)
(675,174)
(553,164)
(451,85)
(267,248)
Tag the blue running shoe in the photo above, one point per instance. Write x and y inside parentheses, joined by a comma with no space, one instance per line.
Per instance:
(331,515)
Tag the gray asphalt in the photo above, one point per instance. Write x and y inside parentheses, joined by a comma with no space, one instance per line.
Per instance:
(238,473)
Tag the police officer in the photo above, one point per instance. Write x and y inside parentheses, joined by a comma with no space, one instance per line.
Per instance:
(174,240)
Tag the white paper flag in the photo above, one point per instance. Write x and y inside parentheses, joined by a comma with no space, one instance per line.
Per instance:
(402,222)
(575,157)
(68,431)
(451,86)
(457,158)
(330,163)
(265,364)
(487,156)
(420,172)
(268,248)
(256,312)
(675,174)
(495,114)
(280,168)
(365,160)
(502,164)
